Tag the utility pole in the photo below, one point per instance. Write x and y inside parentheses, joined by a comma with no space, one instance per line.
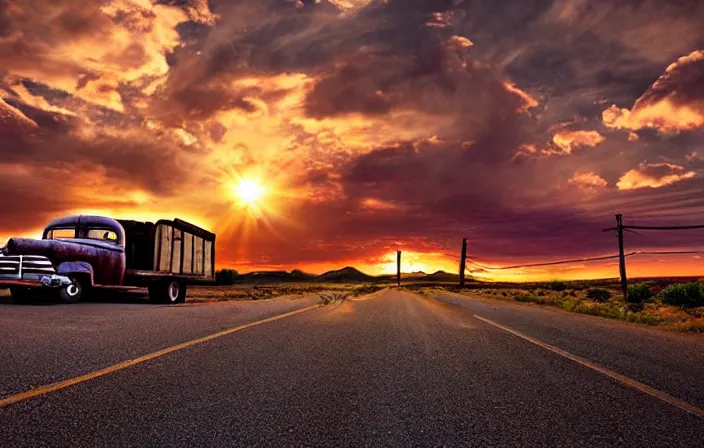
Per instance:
(621,257)
(463,261)
(398,267)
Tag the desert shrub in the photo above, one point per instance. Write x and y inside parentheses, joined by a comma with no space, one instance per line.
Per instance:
(598,294)
(684,294)
(639,293)
(539,292)
(365,289)
(226,277)
(557,285)
(328,298)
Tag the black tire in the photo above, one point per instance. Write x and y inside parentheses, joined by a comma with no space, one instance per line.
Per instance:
(73,292)
(167,292)
(21,295)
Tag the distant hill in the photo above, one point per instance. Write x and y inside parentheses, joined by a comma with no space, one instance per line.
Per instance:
(274,276)
(442,276)
(347,274)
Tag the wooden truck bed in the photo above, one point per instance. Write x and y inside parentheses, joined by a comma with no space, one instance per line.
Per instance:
(180,249)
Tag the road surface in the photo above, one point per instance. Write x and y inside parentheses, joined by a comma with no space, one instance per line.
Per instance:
(396,369)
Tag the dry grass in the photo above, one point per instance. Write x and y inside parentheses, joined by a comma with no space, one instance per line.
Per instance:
(328,292)
(653,312)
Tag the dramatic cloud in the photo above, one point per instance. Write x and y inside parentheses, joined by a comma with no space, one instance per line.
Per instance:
(675,102)
(568,141)
(371,126)
(653,175)
(589,182)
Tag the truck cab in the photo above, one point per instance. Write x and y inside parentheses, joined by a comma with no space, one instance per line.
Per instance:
(79,253)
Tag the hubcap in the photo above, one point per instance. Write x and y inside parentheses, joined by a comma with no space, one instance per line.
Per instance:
(173,291)
(72,290)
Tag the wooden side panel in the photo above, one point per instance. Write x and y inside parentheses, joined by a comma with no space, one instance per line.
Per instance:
(165,258)
(157,248)
(187,253)
(208,259)
(176,252)
(198,251)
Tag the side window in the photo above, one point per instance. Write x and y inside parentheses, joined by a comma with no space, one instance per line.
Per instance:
(57,234)
(102,234)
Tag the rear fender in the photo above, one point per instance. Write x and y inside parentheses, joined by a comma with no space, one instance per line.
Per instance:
(76,267)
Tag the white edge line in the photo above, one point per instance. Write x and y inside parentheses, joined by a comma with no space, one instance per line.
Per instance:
(669,399)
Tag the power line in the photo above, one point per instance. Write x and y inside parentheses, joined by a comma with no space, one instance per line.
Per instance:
(656,228)
(580,260)
(552,263)
(664,228)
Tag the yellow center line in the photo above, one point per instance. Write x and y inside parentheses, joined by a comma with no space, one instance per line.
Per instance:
(43,390)
(669,399)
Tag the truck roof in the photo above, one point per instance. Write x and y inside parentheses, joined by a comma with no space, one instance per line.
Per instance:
(85,220)
(98,221)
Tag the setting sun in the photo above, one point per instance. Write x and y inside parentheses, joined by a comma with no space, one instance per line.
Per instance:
(248,191)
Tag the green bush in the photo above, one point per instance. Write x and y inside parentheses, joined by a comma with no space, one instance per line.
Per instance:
(557,285)
(684,294)
(598,294)
(226,277)
(639,293)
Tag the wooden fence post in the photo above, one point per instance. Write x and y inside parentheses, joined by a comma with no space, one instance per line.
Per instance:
(621,257)
(463,261)
(398,267)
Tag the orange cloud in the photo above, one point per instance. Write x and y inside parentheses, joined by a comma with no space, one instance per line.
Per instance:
(588,181)
(665,116)
(528,101)
(14,119)
(88,49)
(653,175)
(568,141)
(667,106)
(378,204)
(350,5)
(461,41)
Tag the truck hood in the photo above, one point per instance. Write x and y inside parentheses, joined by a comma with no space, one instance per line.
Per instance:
(51,248)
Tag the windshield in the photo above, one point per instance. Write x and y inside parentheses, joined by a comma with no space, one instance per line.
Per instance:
(57,234)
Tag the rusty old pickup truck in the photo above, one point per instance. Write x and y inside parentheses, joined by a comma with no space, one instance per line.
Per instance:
(78,254)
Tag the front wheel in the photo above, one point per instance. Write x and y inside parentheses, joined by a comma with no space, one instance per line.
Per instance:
(168,291)
(71,293)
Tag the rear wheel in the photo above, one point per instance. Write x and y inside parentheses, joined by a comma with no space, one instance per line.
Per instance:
(21,295)
(72,293)
(168,291)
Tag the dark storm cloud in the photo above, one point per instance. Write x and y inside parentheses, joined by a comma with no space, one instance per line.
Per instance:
(401,120)
(34,137)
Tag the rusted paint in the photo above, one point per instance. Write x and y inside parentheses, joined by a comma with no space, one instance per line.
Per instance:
(108,263)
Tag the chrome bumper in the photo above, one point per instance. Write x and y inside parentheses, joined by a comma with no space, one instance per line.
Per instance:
(30,270)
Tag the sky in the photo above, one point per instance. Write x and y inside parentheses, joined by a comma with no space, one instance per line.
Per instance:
(320,134)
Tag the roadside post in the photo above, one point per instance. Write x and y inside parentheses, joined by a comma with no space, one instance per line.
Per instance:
(398,267)
(621,257)
(463,261)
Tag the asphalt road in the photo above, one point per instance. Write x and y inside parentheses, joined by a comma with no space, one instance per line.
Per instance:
(394,370)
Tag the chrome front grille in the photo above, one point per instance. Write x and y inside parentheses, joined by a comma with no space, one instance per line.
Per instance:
(22,267)
(10,266)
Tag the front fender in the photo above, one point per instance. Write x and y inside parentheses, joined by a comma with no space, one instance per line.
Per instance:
(76,267)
